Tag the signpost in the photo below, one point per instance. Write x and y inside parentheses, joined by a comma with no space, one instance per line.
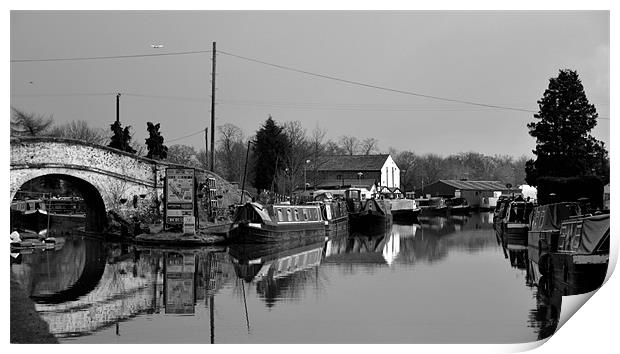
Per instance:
(180,198)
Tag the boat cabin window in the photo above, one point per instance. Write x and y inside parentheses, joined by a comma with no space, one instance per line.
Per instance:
(280,216)
(288,215)
(296,213)
(305,213)
(314,216)
(27,206)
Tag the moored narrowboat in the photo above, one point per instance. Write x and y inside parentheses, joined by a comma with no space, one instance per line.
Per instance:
(545,223)
(515,224)
(334,212)
(457,205)
(255,223)
(402,208)
(580,263)
(432,206)
(370,216)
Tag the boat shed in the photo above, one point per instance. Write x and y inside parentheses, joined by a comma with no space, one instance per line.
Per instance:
(473,191)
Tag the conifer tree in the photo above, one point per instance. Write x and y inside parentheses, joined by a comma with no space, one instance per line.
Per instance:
(564,146)
(155,143)
(121,138)
(270,148)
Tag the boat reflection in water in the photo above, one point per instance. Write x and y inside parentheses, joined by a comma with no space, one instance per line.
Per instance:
(277,270)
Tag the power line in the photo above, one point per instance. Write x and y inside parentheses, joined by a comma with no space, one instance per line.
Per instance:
(285,105)
(110,57)
(380,87)
(185,136)
(375,86)
(165,97)
(62,94)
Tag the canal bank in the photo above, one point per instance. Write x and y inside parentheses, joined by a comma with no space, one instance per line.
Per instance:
(26,324)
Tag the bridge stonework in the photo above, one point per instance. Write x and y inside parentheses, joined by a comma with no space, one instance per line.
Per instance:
(126,183)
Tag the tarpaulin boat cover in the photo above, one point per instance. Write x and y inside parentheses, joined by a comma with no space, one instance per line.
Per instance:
(593,232)
(550,216)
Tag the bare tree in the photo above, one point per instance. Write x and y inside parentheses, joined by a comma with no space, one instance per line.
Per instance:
(29,124)
(318,152)
(81,131)
(230,152)
(369,146)
(183,155)
(349,144)
(300,152)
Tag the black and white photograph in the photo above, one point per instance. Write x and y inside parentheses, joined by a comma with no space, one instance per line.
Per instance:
(306,176)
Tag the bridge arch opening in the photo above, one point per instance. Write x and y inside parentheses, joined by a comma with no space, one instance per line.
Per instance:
(61,184)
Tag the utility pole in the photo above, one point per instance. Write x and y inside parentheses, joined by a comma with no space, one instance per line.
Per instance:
(118,109)
(207,148)
(213,111)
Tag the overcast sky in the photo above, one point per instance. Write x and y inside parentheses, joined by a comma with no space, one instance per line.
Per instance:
(493,58)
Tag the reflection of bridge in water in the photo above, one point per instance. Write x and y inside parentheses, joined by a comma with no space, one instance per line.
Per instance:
(86,286)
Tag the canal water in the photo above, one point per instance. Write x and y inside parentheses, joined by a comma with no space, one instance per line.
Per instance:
(439,280)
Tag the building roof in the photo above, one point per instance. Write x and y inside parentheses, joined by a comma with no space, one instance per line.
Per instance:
(359,163)
(353,183)
(474,185)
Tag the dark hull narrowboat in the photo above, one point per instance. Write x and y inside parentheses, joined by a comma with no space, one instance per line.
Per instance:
(374,218)
(337,217)
(41,219)
(499,214)
(515,224)
(580,263)
(255,223)
(544,233)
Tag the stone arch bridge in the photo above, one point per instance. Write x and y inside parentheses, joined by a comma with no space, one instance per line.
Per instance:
(107,178)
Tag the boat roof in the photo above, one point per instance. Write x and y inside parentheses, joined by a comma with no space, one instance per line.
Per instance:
(594,230)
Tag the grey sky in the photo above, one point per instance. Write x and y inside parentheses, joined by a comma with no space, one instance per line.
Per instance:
(498,58)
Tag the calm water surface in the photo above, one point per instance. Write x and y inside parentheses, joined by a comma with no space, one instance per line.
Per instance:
(440,280)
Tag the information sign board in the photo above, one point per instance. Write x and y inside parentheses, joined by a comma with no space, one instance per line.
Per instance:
(180,195)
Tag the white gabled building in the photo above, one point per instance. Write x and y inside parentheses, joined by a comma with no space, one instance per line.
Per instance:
(343,169)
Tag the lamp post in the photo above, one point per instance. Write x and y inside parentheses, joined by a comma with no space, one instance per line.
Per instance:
(305,166)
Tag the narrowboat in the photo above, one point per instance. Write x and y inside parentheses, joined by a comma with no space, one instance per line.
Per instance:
(256,223)
(432,206)
(334,212)
(515,224)
(402,208)
(39,214)
(580,263)
(457,205)
(545,223)
(499,213)
(370,216)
